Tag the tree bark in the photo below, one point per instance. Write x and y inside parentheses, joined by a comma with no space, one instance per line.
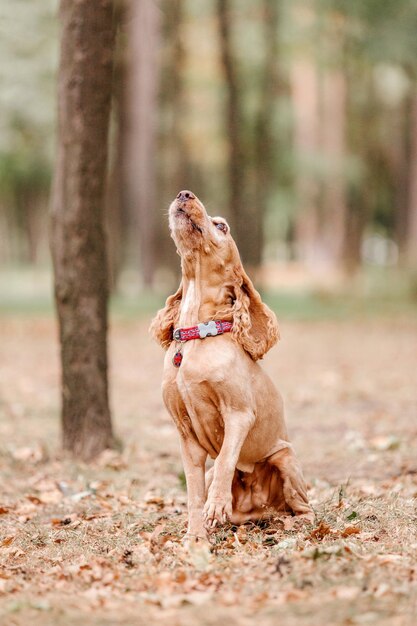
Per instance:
(77,222)
(144,35)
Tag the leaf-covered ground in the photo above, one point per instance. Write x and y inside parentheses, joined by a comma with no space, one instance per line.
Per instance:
(102,544)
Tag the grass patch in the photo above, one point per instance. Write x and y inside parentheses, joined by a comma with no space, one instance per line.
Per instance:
(28,292)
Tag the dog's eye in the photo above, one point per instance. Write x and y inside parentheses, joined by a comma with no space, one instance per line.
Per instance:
(222,227)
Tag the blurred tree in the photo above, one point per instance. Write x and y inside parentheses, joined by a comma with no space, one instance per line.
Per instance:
(24,183)
(142,103)
(333,121)
(175,169)
(265,139)
(118,218)
(381,53)
(411,237)
(77,220)
(330,164)
(305,97)
(27,64)
(243,208)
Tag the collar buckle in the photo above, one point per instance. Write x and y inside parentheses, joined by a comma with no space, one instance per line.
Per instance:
(177,334)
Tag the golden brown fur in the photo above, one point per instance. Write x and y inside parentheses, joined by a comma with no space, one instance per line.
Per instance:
(223,403)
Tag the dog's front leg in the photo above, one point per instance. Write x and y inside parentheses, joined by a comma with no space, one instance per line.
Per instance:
(194,460)
(218,507)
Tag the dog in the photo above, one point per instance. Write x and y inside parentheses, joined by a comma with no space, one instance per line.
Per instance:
(215,328)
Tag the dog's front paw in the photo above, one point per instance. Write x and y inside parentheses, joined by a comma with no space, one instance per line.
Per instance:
(217,511)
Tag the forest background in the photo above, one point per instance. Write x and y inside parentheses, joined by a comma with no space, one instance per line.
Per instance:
(295,120)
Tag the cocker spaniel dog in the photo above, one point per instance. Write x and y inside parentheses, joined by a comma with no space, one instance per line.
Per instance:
(215,329)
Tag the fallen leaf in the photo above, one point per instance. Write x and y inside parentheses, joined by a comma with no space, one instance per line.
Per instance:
(8,540)
(59,521)
(321,531)
(127,559)
(151,498)
(34,499)
(350,530)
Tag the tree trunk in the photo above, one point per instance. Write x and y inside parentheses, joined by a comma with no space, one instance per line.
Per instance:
(244,213)
(397,154)
(304,82)
(320,112)
(144,35)
(118,218)
(175,170)
(333,143)
(411,236)
(360,189)
(77,222)
(265,145)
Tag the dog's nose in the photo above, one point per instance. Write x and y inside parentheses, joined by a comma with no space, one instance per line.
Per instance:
(185,195)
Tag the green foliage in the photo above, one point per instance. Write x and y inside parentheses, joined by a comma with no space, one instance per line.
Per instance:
(28,57)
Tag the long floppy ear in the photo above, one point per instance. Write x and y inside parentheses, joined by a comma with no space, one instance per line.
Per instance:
(163,324)
(255,326)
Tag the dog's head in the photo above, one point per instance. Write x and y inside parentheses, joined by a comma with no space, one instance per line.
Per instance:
(193,230)
(255,326)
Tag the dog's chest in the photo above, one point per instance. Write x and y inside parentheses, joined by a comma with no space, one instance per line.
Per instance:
(205,387)
(202,405)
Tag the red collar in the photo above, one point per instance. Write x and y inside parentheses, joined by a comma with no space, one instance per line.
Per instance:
(201,331)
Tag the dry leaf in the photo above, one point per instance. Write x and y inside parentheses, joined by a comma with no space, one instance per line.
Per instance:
(321,531)
(8,540)
(350,530)
(34,499)
(151,498)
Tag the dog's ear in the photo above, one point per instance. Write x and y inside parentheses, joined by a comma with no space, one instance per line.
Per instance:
(163,324)
(255,326)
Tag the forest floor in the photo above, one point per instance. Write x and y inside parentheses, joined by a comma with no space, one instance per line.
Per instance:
(102,544)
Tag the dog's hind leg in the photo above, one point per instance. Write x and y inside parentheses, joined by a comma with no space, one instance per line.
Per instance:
(293,484)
